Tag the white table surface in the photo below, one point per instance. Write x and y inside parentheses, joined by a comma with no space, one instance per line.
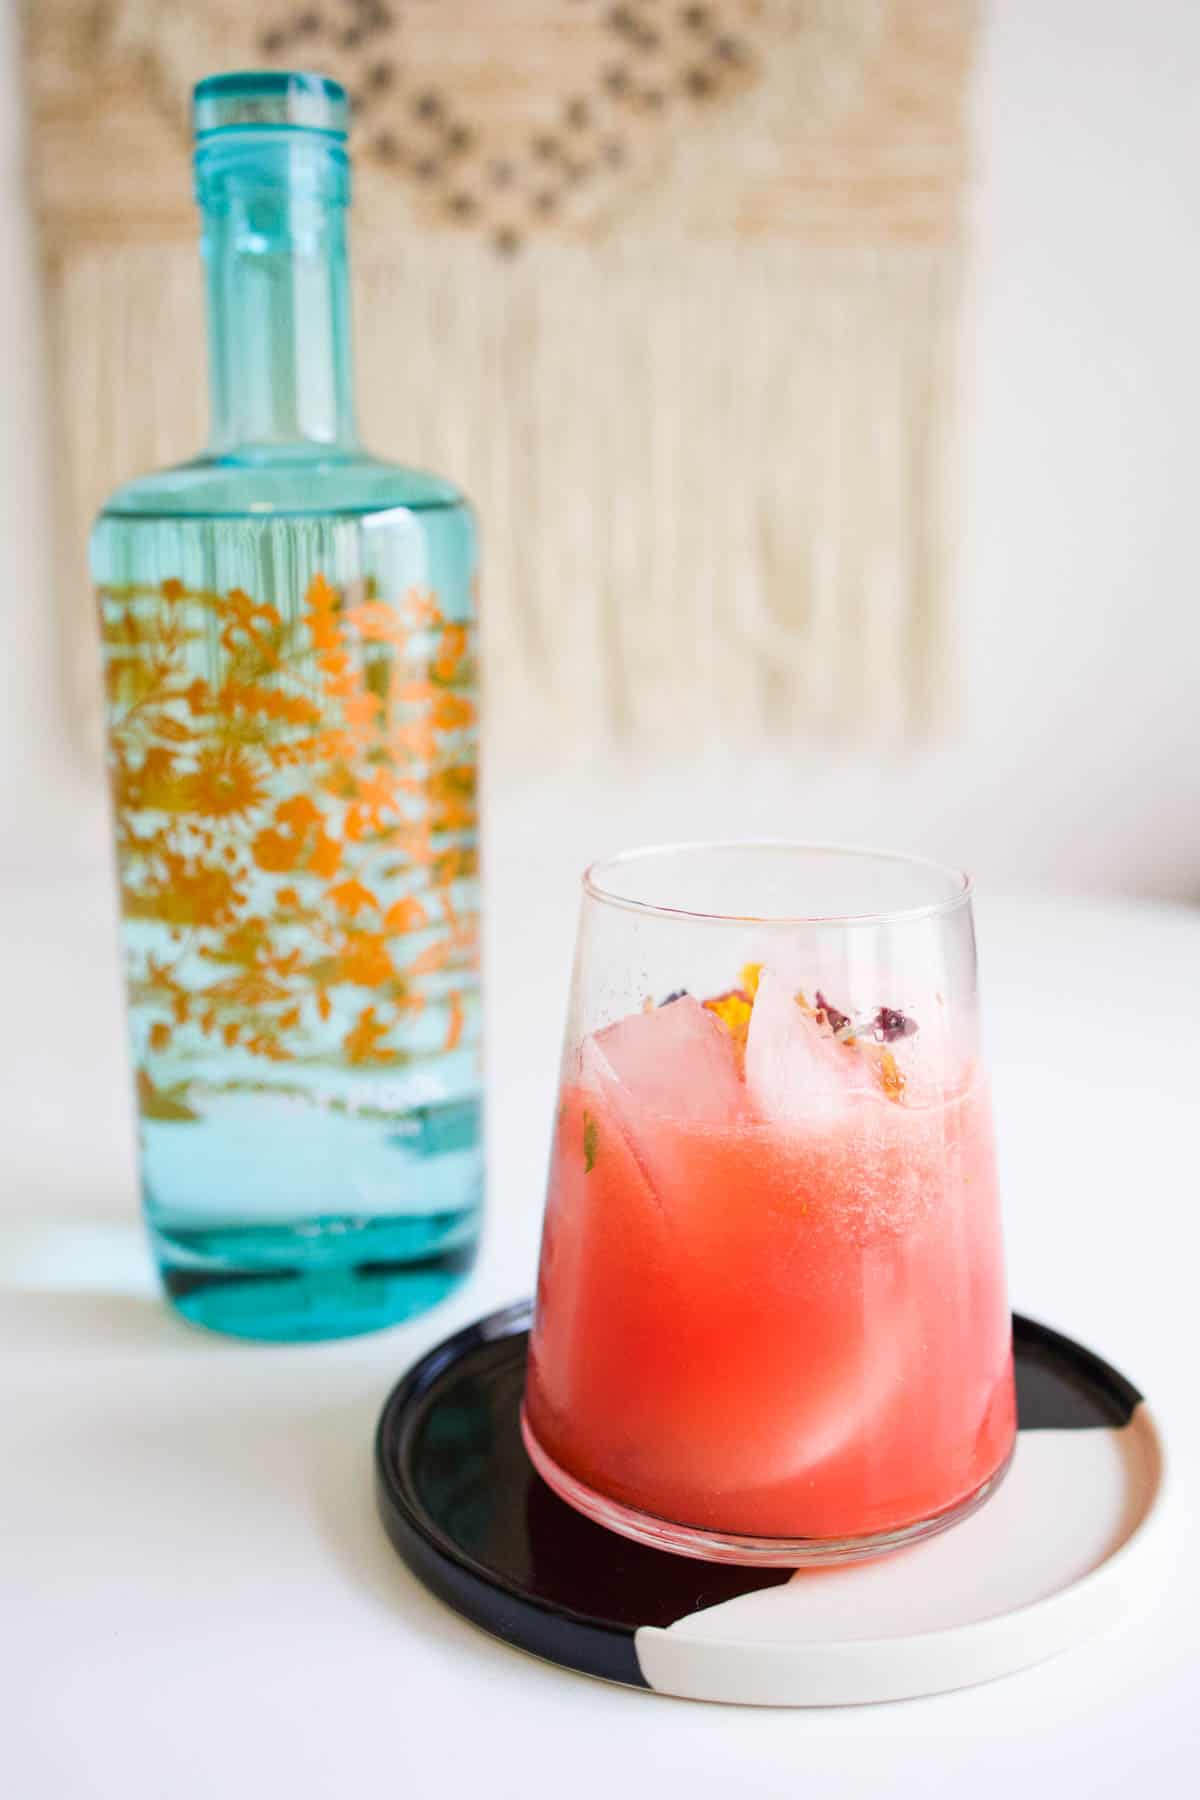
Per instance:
(196,1599)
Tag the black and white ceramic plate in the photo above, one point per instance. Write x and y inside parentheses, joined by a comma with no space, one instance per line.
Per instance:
(1058,1551)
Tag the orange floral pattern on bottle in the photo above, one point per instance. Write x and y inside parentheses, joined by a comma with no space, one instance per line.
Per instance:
(296,820)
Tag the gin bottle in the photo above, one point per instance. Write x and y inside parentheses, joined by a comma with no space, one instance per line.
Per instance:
(289,657)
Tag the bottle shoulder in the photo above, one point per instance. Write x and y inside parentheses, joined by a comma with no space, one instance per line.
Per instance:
(274,484)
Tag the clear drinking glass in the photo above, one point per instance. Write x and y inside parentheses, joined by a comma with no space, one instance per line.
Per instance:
(772,1324)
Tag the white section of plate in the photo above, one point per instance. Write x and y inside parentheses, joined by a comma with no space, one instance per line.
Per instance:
(1062,1549)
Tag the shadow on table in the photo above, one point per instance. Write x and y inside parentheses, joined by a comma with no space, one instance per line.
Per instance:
(74,1318)
(84,1280)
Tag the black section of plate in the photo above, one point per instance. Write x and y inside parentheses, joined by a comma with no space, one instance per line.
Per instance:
(1063,1387)
(463,1505)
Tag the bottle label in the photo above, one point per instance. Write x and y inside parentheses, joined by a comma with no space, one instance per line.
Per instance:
(297,840)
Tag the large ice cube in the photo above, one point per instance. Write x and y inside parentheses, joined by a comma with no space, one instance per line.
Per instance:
(676,1062)
(851,1392)
(756,1394)
(795,1072)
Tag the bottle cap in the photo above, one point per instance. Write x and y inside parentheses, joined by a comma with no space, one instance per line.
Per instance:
(270,97)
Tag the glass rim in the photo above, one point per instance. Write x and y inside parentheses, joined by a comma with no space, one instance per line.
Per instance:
(961,895)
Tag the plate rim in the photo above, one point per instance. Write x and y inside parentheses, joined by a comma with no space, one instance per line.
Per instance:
(956,1656)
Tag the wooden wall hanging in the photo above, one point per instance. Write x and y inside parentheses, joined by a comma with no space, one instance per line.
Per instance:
(671,287)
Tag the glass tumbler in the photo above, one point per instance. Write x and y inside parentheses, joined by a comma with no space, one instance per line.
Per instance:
(771,1322)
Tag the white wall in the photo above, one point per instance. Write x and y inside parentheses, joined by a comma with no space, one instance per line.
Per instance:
(1078,762)
(1081,577)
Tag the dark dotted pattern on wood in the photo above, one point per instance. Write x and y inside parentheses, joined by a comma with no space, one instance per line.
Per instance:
(669,56)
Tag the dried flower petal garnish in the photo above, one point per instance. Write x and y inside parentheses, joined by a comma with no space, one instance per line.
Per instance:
(679,994)
(884,1068)
(890,1078)
(829,1015)
(591,1143)
(891,1024)
(733,1009)
(863,1037)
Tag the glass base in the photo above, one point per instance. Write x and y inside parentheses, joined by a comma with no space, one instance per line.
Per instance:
(297,1283)
(728,1547)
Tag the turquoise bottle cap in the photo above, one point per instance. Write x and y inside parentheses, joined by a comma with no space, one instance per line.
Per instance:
(271,97)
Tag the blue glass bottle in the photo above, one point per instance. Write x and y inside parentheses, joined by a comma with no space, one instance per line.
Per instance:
(290,665)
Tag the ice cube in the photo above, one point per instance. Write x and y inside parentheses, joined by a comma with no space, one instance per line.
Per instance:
(676,1062)
(795,1071)
(755,1396)
(849,1401)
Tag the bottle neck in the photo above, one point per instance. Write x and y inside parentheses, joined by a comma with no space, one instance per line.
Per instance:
(274,246)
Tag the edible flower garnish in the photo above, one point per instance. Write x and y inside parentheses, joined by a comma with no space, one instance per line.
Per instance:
(890,1078)
(750,975)
(733,1009)
(829,1015)
(889,1024)
(865,1036)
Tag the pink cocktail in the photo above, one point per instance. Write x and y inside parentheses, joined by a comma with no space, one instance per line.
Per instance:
(771,1318)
